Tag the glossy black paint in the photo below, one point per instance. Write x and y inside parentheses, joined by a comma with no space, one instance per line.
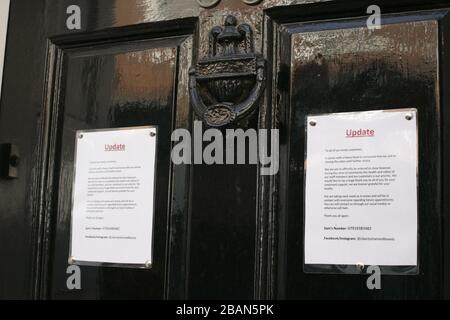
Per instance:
(444,54)
(108,88)
(367,81)
(20,111)
(223,232)
(222,227)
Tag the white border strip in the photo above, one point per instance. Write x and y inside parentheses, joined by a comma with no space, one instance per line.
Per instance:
(4,14)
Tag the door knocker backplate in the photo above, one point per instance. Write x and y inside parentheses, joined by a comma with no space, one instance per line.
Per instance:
(226,85)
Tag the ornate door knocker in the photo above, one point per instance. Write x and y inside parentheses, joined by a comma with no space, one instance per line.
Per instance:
(226,85)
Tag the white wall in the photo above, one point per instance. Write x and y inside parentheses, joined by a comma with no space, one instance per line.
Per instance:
(4,10)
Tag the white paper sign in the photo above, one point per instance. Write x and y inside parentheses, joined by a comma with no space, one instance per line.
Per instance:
(112,215)
(361,189)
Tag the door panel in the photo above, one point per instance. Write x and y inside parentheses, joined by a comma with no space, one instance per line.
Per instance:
(342,67)
(117,85)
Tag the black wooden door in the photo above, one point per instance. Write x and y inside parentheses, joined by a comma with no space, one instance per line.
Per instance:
(221,231)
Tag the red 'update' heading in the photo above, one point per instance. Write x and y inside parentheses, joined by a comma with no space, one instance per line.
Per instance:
(114,147)
(349,133)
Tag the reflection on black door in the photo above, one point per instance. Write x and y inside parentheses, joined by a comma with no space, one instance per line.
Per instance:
(221,231)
